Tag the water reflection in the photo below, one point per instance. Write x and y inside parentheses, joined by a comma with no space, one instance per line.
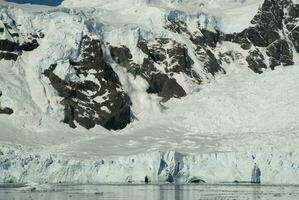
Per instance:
(151,192)
(256,192)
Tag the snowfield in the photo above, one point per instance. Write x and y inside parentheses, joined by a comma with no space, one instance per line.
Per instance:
(216,134)
(257,117)
(152,12)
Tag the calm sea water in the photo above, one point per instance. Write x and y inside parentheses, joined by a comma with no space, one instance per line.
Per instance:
(151,192)
(41,2)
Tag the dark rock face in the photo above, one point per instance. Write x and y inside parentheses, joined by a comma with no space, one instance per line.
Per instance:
(267,43)
(169,54)
(294,10)
(239,38)
(294,36)
(99,101)
(212,64)
(96,97)
(7,45)
(280,53)
(121,55)
(6,111)
(165,87)
(8,56)
(28,46)
(9,50)
(205,42)
(267,23)
(173,60)
(292,25)
(180,60)
(255,61)
(268,32)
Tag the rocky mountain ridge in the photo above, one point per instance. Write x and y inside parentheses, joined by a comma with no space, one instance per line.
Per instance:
(85,82)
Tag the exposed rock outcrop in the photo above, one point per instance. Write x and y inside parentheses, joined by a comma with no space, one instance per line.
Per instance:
(5,110)
(11,47)
(268,32)
(267,43)
(8,56)
(184,53)
(205,42)
(96,98)
(280,52)
(171,57)
(165,87)
(255,61)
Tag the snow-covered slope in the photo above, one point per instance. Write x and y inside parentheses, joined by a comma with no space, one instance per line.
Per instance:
(153,12)
(199,90)
(249,122)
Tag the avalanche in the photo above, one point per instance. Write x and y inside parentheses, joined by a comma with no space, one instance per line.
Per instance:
(215,134)
(207,154)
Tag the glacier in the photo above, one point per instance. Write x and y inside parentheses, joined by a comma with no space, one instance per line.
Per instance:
(160,167)
(53,155)
(217,133)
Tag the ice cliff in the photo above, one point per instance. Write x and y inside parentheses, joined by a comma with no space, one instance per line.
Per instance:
(203,78)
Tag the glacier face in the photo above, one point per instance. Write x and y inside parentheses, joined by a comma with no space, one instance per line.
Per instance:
(268,139)
(188,77)
(160,167)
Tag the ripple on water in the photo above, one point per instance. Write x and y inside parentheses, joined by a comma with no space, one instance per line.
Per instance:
(149,192)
